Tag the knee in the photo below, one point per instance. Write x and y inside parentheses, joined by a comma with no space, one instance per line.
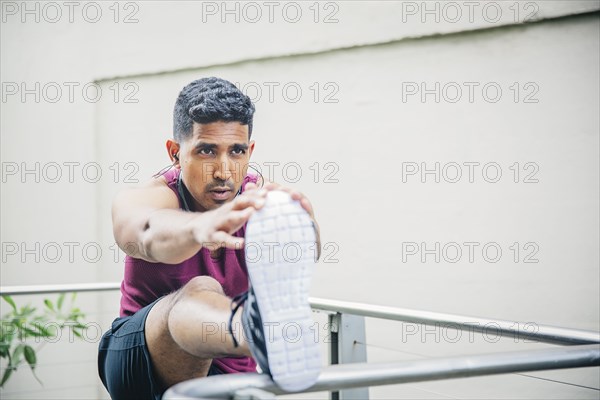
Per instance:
(200,284)
(194,301)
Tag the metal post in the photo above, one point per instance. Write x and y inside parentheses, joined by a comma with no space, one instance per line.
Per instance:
(346,332)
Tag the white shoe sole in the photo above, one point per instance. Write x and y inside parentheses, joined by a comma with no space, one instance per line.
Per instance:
(280,256)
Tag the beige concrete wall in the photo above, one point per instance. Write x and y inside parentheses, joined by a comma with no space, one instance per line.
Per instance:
(342,104)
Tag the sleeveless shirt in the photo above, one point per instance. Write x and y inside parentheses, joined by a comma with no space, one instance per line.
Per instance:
(145,281)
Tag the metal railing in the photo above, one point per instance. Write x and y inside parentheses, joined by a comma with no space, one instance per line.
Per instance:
(349,374)
(512,329)
(346,376)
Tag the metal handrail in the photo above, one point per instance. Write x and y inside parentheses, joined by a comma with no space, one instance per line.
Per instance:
(345,376)
(512,329)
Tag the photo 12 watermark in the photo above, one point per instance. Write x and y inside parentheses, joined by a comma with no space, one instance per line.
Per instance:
(69,92)
(294,172)
(290,172)
(470,252)
(291,92)
(252,12)
(69,172)
(54,332)
(69,12)
(470,92)
(490,332)
(469,172)
(456,12)
(290,252)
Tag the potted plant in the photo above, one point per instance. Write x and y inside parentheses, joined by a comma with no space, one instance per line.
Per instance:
(23,328)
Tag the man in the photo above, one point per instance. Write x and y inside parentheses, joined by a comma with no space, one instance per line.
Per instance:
(183,233)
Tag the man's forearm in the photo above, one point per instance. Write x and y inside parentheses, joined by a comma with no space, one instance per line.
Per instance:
(168,237)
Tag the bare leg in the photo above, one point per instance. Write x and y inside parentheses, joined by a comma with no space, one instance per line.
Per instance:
(187,329)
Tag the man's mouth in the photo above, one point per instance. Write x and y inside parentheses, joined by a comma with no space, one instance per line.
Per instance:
(220,193)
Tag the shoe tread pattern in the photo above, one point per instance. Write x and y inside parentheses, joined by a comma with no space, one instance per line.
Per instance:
(280,256)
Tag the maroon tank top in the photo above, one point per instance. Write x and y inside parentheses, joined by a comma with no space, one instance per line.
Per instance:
(144,281)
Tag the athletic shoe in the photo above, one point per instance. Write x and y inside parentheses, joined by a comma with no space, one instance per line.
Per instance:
(277,318)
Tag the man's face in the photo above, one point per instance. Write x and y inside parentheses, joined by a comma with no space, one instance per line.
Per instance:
(214,162)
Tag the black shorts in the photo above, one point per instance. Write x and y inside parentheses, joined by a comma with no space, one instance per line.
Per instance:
(124,363)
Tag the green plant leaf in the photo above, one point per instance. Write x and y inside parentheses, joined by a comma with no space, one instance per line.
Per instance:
(16,355)
(75,317)
(6,376)
(9,359)
(26,311)
(44,332)
(60,300)
(10,301)
(4,350)
(8,330)
(33,332)
(36,378)
(30,356)
(49,304)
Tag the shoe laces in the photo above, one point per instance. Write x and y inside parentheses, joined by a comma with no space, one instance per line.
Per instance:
(236,303)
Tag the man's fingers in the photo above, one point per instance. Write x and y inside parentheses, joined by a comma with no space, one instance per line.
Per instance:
(294,194)
(272,186)
(254,199)
(223,239)
(234,220)
(307,206)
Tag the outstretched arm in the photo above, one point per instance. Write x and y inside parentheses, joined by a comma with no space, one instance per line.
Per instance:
(148,224)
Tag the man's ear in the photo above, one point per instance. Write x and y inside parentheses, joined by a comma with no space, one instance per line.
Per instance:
(173,150)
(250,148)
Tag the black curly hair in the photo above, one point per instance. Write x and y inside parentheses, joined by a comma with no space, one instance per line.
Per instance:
(209,100)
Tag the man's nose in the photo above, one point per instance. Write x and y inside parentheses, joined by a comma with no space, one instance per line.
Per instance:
(222,169)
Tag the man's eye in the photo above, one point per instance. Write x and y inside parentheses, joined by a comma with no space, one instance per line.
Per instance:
(238,152)
(205,152)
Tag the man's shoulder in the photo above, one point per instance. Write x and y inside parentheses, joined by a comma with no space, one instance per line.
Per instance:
(158,181)
(157,190)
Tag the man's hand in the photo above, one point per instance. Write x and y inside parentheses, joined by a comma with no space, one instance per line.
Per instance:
(213,229)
